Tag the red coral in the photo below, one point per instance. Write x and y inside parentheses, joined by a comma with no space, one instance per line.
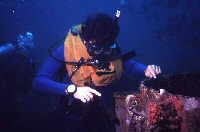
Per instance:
(163,115)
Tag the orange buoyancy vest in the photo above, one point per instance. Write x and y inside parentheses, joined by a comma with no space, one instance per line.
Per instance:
(74,49)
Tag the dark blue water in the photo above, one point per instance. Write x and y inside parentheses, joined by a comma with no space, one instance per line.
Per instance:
(165,33)
(162,32)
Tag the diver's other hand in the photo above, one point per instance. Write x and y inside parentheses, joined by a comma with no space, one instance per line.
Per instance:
(85,94)
(152,71)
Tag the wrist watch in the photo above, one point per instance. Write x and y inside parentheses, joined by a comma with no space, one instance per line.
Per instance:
(71,89)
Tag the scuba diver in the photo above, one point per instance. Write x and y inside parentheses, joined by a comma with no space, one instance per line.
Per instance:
(16,75)
(17,67)
(91,65)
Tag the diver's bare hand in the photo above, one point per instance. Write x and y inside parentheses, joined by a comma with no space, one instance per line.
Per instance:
(85,94)
(152,71)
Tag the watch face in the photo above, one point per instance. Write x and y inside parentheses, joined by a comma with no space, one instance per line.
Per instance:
(71,88)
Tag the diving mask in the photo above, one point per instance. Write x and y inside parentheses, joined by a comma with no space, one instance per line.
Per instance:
(95,49)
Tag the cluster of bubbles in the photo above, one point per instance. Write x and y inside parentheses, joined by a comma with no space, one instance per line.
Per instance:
(25,41)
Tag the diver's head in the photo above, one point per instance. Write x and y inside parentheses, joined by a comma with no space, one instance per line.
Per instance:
(100,32)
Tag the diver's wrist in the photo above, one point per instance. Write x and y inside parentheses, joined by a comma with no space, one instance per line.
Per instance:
(71,89)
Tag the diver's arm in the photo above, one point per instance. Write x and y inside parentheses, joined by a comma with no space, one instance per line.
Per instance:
(45,78)
(135,68)
(138,69)
(47,85)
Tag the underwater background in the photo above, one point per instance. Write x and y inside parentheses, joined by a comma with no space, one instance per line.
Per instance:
(162,32)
